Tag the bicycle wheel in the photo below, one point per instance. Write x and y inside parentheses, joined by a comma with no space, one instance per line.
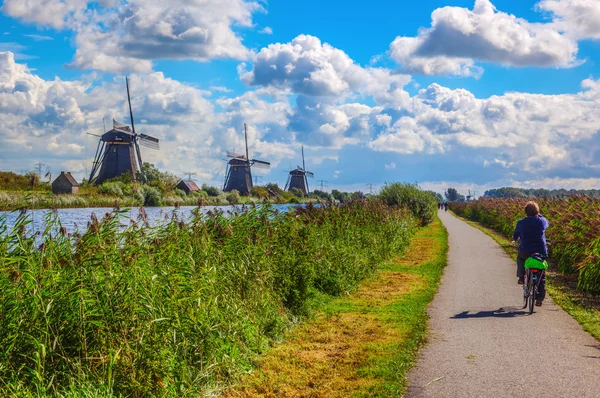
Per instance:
(525,295)
(531,297)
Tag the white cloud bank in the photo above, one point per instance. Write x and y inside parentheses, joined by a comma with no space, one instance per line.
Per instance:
(114,36)
(459,37)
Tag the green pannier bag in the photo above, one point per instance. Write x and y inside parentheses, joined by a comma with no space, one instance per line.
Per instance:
(536,263)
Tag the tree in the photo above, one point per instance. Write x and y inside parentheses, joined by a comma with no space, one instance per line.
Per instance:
(148,173)
(452,195)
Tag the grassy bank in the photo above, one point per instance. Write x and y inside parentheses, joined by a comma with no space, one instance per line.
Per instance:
(584,307)
(182,309)
(362,344)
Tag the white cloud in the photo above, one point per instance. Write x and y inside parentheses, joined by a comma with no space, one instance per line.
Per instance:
(577,18)
(390,166)
(458,37)
(53,13)
(116,36)
(267,30)
(39,37)
(309,67)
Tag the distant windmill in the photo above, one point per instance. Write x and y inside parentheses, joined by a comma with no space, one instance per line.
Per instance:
(239,169)
(118,150)
(297,178)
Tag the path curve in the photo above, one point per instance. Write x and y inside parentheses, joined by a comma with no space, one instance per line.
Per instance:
(482,344)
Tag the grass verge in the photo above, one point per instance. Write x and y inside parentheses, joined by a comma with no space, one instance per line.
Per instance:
(362,344)
(584,307)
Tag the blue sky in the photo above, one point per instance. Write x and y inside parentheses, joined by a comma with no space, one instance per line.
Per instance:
(471,94)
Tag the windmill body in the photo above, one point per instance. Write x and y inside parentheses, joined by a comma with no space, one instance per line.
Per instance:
(119,152)
(239,176)
(239,170)
(298,178)
(118,155)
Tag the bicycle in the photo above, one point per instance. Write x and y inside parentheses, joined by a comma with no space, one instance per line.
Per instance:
(535,270)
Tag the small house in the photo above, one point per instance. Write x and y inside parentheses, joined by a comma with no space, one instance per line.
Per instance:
(187,186)
(65,183)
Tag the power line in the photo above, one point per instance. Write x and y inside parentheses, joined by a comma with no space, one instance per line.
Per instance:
(370,186)
(322,184)
(258,180)
(190,174)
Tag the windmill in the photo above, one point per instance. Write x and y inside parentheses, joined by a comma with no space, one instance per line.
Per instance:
(118,150)
(239,169)
(298,177)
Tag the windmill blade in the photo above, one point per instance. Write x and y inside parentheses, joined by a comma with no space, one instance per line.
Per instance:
(300,168)
(121,127)
(149,141)
(310,174)
(95,135)
(129,101)
(235,155)
(260,164)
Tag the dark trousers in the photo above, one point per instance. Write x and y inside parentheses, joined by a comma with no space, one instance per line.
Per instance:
(521,258)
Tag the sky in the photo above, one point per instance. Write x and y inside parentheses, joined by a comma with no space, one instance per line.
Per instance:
(471,94)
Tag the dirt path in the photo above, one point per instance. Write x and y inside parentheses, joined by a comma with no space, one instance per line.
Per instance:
(482,344)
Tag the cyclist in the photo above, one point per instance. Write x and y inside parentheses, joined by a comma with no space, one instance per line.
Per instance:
(531,233)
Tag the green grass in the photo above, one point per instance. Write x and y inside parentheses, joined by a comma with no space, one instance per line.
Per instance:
(360,345)
(179,309)
(583,307)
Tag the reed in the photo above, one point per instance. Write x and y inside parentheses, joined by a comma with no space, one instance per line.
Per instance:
(179,309)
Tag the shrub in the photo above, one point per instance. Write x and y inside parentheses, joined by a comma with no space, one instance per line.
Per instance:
(233,197)
(260,192)
(179,193)
(152,196)
(112,188)
(421,204)
(211,191)
(297,192)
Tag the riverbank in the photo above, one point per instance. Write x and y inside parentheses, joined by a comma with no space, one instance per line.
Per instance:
(181,308)
(42,200)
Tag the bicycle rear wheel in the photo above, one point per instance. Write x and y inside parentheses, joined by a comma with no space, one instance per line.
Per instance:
(525,295)
(531,297)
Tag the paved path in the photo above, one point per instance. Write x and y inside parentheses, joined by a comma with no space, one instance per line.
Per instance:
(482,344)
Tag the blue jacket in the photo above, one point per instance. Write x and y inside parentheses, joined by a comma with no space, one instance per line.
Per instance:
(531,232)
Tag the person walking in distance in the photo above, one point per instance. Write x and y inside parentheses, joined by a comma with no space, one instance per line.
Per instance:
(531,233)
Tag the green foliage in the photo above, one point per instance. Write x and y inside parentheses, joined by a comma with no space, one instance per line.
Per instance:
(452,195)
(509,192)
(322,195)
(297,192)
(421,204)
(259,192)
(211,191)
(176,309)
(180,193)
(233,197)
(13,182)
(152,196)
(148,173)
(114,188)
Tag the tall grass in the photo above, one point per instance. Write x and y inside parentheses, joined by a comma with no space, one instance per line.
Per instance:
(574,230)
(178,309)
